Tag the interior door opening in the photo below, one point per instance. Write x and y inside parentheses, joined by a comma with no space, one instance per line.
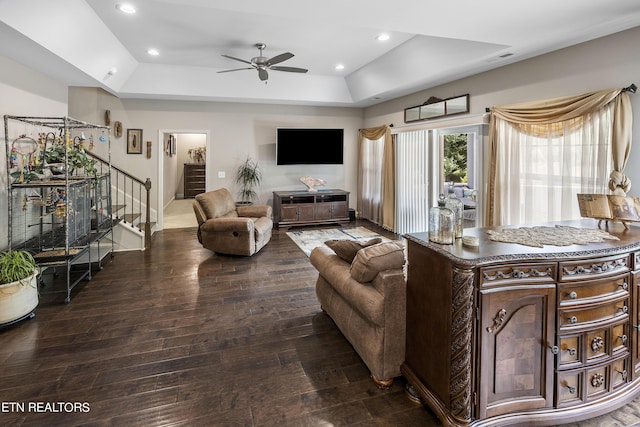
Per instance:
(179,147)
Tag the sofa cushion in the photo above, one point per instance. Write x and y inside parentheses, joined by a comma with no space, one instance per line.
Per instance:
(347,249)
(371,260)
(217,203)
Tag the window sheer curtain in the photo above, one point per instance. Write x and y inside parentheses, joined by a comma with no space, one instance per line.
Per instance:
(376,176)
(543,153)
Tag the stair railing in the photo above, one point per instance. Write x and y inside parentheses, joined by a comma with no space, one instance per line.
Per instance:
(128,204)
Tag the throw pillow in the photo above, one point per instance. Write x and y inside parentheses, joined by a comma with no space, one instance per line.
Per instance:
(374,259)
(347,249)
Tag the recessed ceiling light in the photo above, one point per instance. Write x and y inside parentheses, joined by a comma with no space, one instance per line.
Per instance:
(382,37)
(340,67)
(153,52)
(126,8)
(112,71)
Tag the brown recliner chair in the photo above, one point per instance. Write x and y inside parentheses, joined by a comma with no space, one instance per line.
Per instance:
(228,229)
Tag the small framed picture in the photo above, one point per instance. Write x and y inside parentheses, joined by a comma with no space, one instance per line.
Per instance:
(134,141)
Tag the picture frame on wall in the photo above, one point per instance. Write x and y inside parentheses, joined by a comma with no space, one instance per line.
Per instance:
(134,141)
(170,149)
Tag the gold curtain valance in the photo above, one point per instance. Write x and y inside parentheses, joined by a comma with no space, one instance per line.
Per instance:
(555,110)
(374,133)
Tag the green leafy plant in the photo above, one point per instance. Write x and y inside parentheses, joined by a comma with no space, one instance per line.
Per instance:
(77,158)
(249,177)
(16,265)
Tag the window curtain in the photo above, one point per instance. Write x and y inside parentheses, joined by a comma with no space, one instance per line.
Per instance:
(376,176)
(541,154)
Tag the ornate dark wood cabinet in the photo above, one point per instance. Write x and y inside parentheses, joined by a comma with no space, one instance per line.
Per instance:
(506,334)
(194,179)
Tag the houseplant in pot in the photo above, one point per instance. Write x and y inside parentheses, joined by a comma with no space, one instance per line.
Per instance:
(248,177)
(18,286)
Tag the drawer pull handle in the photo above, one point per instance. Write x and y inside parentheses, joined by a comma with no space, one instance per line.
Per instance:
(623,374)
(572,389)
(573,295)
(624,286)
(555,349)
(597,380)
(572,351)
(597,344)
(623,338)
(624,309)
(572,319)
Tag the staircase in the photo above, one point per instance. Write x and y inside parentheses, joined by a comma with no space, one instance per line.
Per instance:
(130,208)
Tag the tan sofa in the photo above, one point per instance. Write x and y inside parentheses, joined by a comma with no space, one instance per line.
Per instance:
(227,229)
(366,298)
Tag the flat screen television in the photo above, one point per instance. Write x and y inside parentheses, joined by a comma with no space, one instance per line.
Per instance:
(297,146)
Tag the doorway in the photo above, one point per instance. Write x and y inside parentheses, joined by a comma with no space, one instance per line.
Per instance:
(179,147)
(461,169)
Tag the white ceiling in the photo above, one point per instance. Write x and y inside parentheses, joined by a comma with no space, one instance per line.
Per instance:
(431,43)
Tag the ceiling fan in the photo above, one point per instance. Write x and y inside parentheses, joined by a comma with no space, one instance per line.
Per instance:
(264,64)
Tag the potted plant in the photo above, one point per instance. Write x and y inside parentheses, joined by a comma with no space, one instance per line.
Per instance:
(248,176)
(18,286)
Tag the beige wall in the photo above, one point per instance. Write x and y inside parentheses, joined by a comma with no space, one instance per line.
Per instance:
(235,131)
(609,62)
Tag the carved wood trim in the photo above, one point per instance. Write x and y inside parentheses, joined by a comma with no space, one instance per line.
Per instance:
(461,344)
(497,320)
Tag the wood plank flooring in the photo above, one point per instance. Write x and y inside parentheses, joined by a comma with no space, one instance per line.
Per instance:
(179,336)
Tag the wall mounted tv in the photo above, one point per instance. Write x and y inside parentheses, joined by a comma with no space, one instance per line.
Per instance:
(297,146)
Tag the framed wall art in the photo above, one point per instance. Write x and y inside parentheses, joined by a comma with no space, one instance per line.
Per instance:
(134,141)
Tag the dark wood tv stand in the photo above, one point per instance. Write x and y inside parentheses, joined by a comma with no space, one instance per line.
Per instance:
(306,208)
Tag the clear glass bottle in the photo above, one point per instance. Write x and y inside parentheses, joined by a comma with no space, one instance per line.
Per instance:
(457,207)
(441,223)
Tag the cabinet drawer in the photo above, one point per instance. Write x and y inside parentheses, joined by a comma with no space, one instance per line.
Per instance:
(592,383)
(593,268)
(593,346)
(570,351)
(619,373)
(572,317)
(569,388)
(584,292)
(525,273)
(597,381)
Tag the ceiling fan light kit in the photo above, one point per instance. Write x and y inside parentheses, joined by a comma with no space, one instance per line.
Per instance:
(263,64)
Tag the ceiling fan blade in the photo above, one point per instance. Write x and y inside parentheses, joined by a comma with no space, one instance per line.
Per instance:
(237,59)
(235,69)
(279,58)
(290,69)
(262,73)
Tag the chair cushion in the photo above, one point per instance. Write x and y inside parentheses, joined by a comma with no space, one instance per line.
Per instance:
(371,260)
(347,249)
(217,203)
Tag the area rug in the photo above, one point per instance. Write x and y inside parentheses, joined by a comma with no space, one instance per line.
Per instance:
(307,240)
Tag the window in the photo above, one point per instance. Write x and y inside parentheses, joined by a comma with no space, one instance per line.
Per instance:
(541,170)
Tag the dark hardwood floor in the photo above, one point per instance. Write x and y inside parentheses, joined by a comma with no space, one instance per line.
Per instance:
(179,336)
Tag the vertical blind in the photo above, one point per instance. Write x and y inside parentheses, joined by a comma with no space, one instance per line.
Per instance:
(414,181)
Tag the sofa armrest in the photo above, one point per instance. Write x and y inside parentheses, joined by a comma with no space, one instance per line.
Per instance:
(322,257)
(254,211)
(227,224)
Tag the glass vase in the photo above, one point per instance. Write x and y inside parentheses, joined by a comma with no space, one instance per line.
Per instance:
(441,225)
(457,207)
